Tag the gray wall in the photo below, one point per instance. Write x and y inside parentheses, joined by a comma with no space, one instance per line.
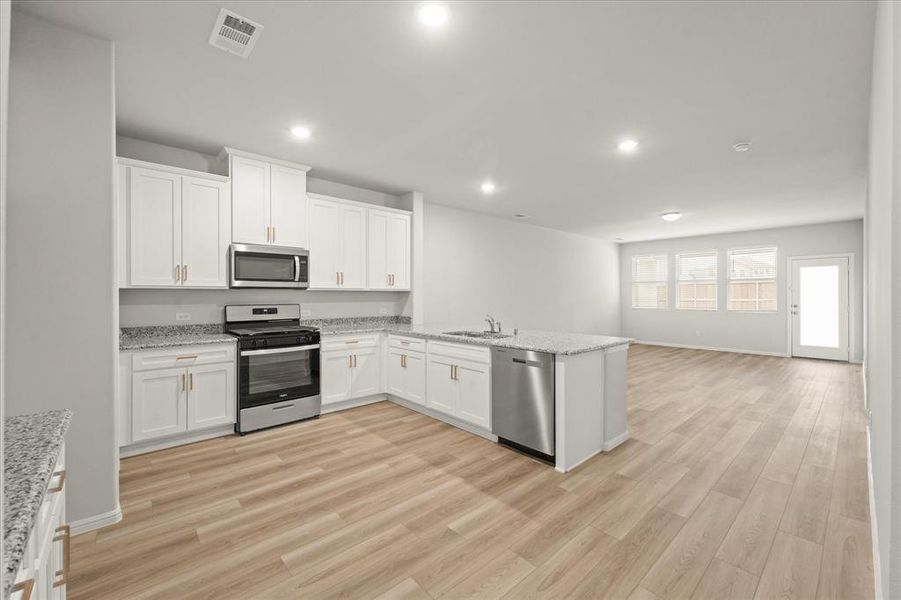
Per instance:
(883,327)
(62,308)
(756,332)
(5,9)
(526,276)
(158,307)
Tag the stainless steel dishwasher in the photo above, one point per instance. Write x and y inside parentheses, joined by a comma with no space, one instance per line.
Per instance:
(522,400)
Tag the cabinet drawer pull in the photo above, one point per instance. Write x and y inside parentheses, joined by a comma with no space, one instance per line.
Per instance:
(186,357)
(352,342)
(63,534)
(61,484)
(26,587)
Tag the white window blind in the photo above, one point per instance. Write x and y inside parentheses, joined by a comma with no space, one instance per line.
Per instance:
(650,285)
(696,280)
(752,280)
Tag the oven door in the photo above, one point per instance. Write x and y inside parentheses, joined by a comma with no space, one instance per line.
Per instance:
(269,266)
(277,374)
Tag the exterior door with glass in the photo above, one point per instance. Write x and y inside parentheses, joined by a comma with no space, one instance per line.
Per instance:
(819,307)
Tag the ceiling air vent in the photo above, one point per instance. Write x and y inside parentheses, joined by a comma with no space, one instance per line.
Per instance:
(233,33)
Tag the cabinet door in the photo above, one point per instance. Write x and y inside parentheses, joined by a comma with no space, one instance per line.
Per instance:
(211,395)
(158,403)
(441,386)
(416,378)
(335,370)
(154,199)
(250,201)
(206,222)
(397,374)
(325,244)
(398,251)
(353,247)
(474,393)
(366,375)
(289,206)
(378,250)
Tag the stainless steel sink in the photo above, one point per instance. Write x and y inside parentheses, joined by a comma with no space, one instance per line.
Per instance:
(489,335)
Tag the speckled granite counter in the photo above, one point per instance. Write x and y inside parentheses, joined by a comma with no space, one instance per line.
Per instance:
(540,341)
(167,336)
(31,446)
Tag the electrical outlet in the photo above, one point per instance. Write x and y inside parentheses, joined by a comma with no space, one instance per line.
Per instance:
(182,316)
(306,313)
(383,311)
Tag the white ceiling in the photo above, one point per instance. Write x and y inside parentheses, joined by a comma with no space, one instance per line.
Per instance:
(533,95)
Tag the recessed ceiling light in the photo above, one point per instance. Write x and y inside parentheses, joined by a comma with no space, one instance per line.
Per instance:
(671,216)
(627,146)
(487,188)
(742,146)
(301,132)
(433,15)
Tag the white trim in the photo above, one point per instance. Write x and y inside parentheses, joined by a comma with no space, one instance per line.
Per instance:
(438,416)
(370,205)
(143,164)
(729,280)
(852,299)
(96,522)
(874,534)
(560,469)
(613,443)
(352,403)
(712,348)
(176,440)
(226,151)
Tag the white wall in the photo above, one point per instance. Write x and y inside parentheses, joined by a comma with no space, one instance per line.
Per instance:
(61,329)
(883,335)
(5,10)
(755,332)
(526,276)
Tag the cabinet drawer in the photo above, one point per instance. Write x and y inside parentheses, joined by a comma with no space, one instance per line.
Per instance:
(183,357)
(406,343)
(479,354)
(349,342)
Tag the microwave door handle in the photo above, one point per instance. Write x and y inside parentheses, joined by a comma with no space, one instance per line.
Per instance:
(279,350)
(296,268)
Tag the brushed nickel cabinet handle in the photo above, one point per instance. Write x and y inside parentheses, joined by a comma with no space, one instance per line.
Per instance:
(191,381)
(26,587)
(62,482)
(177,273)
(355,361)
(337,278)
(183,376)
(63,534)
(342,277)
(350,361)
(273,235)
(186,357)
(388,279)
(184,273)
(452,371)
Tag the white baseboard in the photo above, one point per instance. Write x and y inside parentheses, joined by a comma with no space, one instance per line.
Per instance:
(877,567)
(613,443)
(442,417)
(345,404)
(713,348)
(96,522)
(179,440)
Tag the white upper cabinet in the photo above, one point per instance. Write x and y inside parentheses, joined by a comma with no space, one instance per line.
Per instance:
(174,227)
(205,216)
(289,207)
(154,203)
(337,244)
(269,200)
(389,250)
(250,201)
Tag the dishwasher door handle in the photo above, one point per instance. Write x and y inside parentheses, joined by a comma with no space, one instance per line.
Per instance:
(528,363)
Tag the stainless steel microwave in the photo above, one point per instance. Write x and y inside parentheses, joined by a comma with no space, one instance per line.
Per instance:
(268,266)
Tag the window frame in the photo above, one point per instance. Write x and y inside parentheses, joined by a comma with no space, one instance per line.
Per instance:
(715,281)
(665,281)
(775,280)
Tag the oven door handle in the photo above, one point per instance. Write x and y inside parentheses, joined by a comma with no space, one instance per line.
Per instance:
(279,350)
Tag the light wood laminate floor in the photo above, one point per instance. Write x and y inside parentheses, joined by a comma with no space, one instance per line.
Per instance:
(745,477)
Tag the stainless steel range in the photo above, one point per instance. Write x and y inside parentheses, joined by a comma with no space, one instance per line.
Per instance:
(278,365)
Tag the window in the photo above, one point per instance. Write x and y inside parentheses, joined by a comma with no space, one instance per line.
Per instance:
(696,280)
(752,280)
(649,282)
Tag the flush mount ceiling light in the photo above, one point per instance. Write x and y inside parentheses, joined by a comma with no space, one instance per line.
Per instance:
(521,216)
(487,187)
(301,132)
(742,146)
(433,15)
(671,216)
(627,146)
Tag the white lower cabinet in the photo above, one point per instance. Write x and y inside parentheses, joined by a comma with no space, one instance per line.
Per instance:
(176,391)
(459,382)
(406,375)
(350,368)
(44,569)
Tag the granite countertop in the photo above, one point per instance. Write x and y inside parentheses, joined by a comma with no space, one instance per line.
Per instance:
(553,342)
(168,336)
(31,446)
